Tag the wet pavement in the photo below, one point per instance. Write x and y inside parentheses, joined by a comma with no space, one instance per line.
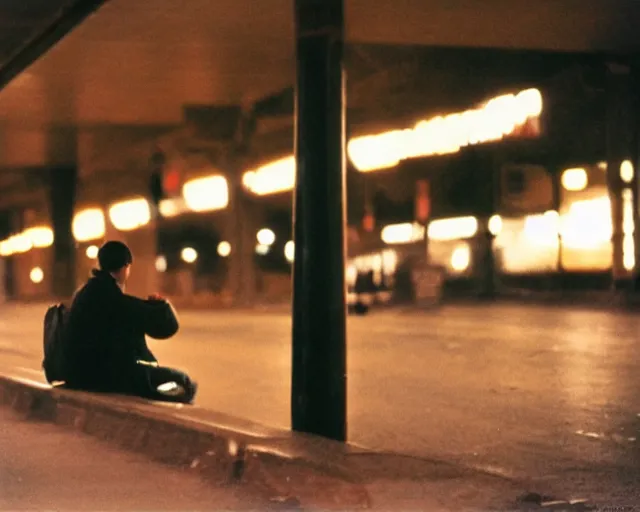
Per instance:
(546,396)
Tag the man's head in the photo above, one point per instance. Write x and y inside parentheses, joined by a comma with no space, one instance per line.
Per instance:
(115,257)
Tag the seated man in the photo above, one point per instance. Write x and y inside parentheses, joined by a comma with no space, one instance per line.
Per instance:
(105,347)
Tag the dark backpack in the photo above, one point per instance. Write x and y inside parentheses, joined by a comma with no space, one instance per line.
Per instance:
(53,363)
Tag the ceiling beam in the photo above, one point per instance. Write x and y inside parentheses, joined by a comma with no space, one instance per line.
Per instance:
(66,20)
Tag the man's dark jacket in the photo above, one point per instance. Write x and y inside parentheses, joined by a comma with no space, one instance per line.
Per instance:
(105,335)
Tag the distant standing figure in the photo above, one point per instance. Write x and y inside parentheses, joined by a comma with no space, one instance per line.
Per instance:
(105,347)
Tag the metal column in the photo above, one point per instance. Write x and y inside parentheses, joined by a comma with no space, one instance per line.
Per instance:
(318,401)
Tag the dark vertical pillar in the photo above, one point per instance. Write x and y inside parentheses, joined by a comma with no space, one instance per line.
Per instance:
(241,234)
(62,189)
(618,149)
(318,402)
(240,231)
(635,159)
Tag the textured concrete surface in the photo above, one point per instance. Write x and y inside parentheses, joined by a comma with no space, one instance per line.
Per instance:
(43,467)
(549,396)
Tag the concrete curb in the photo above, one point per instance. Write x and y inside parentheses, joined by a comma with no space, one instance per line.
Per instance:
(289,469)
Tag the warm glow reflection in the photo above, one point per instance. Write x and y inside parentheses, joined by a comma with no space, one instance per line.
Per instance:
(130,215)
(497,118)
(41,236)
(206,194)
(404,233)
(574,179)
(453,229)
(88,225)
(274,177)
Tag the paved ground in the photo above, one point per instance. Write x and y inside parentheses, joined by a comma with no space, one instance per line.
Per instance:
(43,467)
(548,395)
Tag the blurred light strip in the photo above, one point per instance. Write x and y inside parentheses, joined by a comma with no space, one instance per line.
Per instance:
(628,228)
(497,118)
(206,194)
(272,178)
(130,215)
(404,233)
(39,237)
(457,228)
(88,224)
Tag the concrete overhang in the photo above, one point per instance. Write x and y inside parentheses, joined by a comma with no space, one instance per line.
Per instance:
(137,64)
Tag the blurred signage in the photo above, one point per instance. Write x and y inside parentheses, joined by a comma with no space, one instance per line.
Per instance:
(171,181)
(368,222)
(423,201)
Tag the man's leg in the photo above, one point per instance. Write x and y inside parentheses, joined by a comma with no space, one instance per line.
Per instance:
(166,384)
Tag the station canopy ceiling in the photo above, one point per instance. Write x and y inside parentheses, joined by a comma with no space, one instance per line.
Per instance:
(137,63)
